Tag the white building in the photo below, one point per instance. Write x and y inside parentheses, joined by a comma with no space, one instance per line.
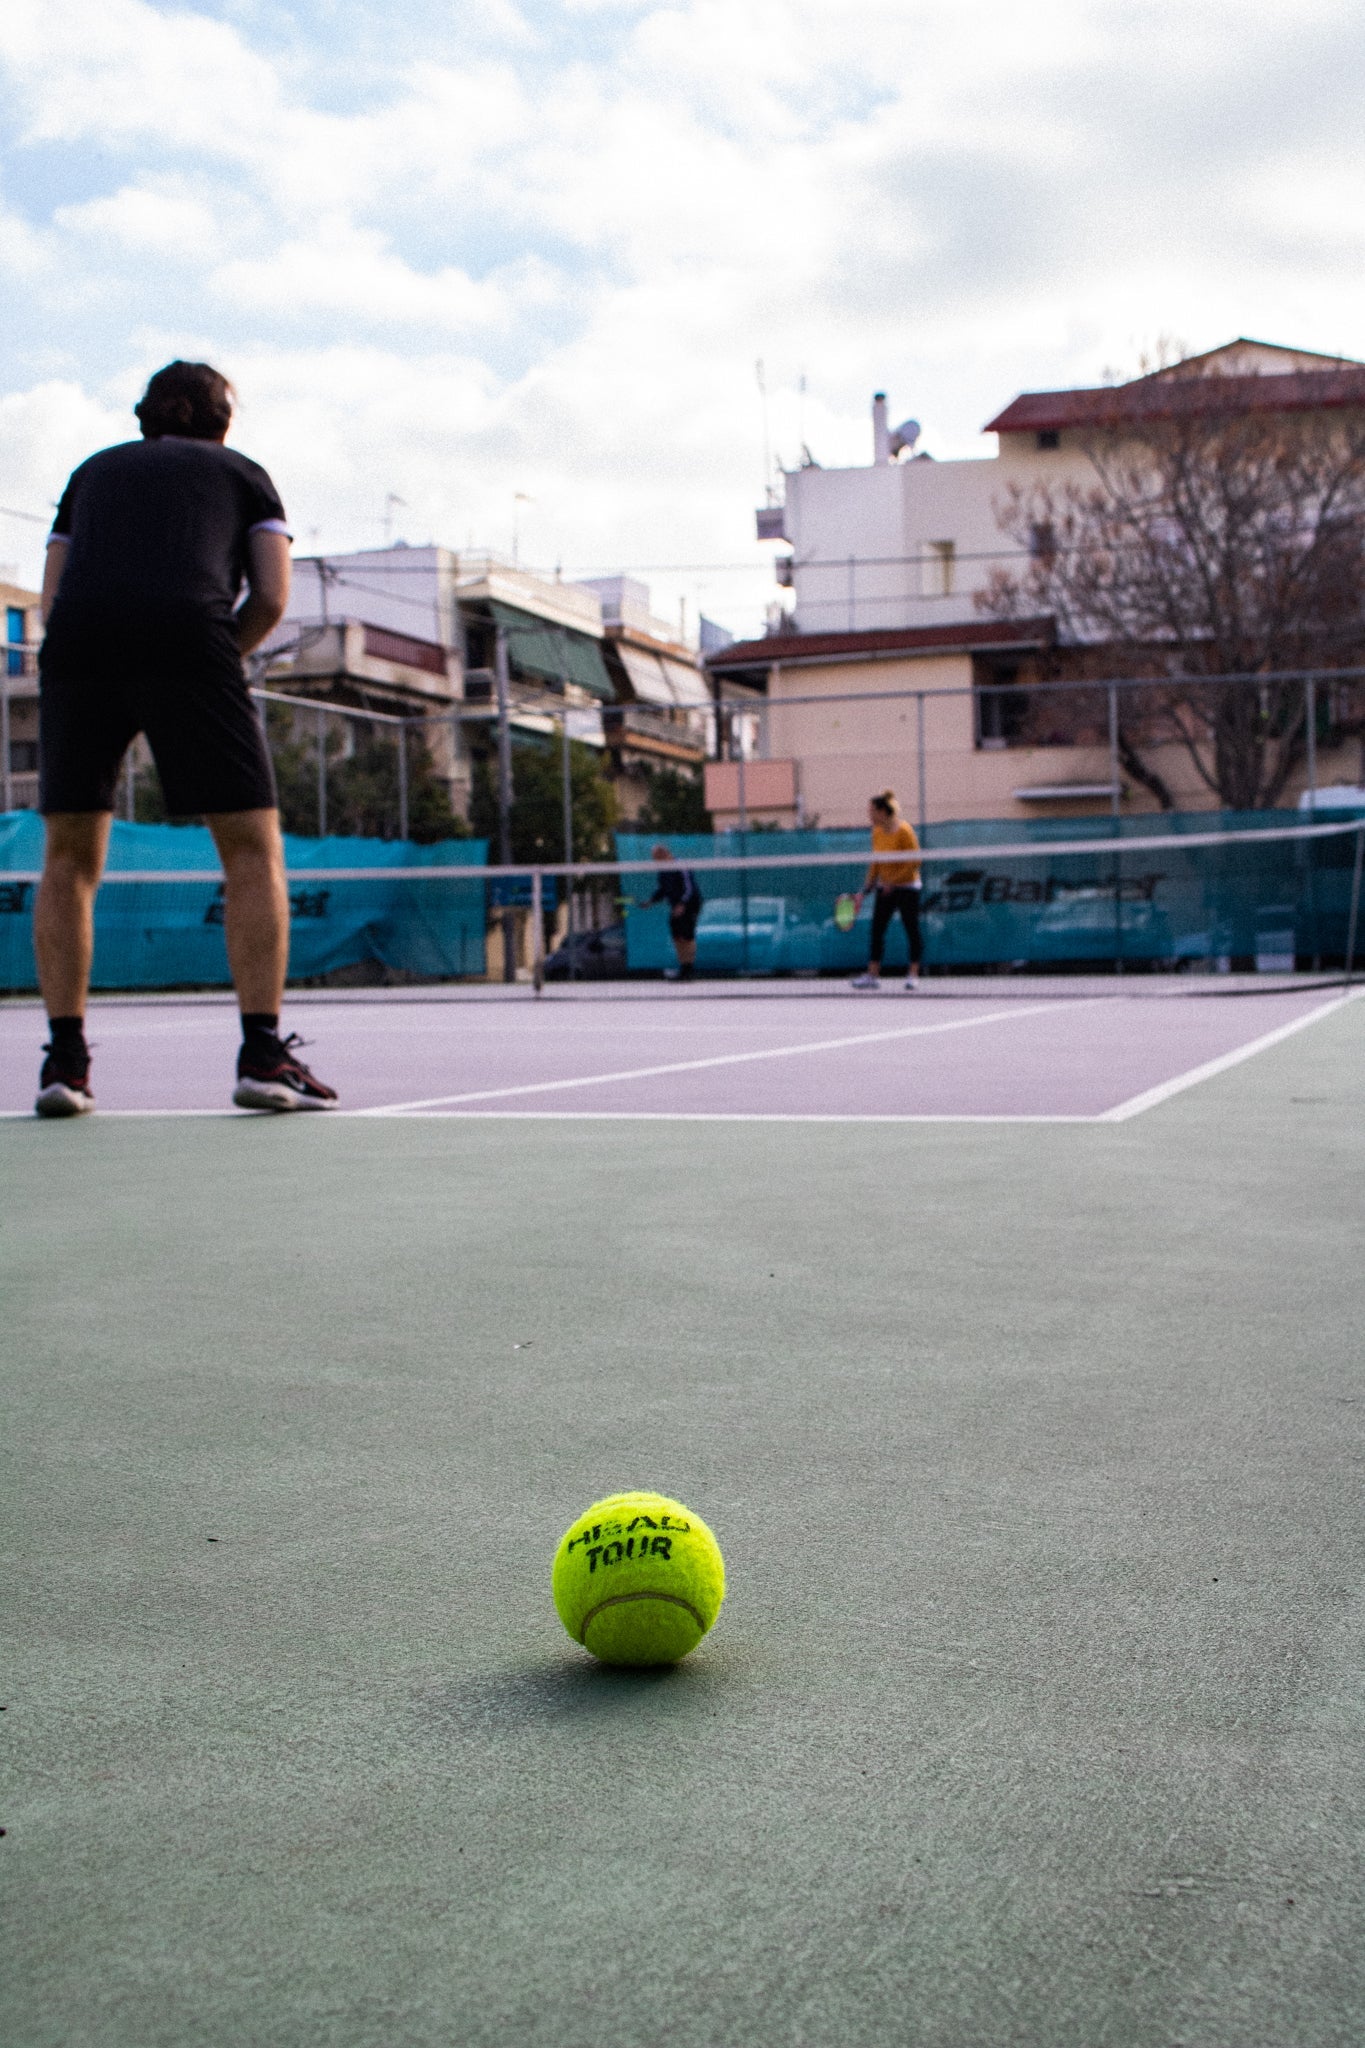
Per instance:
(908,541)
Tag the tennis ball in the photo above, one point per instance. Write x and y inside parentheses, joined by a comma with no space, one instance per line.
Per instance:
(638,1579)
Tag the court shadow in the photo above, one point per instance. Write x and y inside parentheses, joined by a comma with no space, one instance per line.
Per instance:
(563,1691)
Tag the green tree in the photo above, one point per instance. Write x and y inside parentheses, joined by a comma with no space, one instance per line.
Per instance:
(537,818)
(675,803)
(362,788)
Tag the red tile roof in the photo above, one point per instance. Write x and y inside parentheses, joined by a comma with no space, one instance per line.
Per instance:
(1170,398)
(892,640)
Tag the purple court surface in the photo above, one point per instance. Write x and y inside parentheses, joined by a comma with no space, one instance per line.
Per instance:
(1043,1052)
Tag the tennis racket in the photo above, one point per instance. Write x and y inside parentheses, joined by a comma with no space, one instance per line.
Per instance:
(845,912)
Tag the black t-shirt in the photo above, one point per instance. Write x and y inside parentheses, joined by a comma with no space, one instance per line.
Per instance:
(161,526)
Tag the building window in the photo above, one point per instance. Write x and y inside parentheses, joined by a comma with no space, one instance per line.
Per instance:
(23,757)
(1001,710)
(1049,437)
(937,568)
(1042,542)
(14,638)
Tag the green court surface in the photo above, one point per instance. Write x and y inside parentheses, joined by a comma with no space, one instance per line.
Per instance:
(1036,1713)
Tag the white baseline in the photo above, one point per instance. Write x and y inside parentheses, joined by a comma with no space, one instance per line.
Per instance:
(1164,1090)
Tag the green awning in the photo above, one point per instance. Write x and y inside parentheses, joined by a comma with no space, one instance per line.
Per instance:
(539,648)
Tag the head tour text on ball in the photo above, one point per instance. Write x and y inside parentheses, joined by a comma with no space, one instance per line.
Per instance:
(638,1579)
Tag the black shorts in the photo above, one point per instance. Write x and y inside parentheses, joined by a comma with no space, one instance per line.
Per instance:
(682,922)
(179,680)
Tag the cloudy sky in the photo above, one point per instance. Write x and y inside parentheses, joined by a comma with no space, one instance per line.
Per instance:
(463,249)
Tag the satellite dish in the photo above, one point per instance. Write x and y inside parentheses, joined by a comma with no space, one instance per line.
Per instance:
(905,436)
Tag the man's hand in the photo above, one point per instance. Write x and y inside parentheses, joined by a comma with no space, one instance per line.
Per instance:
(267,578)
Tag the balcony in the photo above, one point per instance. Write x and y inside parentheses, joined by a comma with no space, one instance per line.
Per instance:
(638,728)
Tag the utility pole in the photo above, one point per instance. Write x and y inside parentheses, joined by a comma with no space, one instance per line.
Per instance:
(509,917)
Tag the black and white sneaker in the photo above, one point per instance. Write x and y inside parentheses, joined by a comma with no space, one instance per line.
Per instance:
(64,1084)
(271,1076)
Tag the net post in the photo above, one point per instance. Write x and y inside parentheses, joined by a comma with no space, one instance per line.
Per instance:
(537,933)
(1352,921)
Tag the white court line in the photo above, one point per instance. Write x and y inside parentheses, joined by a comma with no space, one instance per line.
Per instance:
(724,1059)
(1164,1090)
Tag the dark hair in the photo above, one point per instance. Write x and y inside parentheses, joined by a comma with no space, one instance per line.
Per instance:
(885,800)
(192,399)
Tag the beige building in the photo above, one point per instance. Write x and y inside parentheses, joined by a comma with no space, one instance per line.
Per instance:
(19,698)
(886,672)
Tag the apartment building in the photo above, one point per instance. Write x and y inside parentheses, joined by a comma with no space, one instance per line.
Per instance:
(414,631)
(886,671)
(19,698)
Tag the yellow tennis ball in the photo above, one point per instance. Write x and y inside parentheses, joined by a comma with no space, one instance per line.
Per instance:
(638,1579)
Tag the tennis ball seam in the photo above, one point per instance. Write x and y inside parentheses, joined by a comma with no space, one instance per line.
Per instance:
(622,1599)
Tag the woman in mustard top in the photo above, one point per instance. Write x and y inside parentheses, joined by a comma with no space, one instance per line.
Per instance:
(896,885)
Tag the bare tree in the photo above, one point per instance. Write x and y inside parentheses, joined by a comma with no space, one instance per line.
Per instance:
(1218,539)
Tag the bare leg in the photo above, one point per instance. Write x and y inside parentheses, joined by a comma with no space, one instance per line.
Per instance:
(256,905)
(64,914)
(686,950)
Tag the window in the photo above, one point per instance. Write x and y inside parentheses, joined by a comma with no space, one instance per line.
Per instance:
(1049,437)
(1001,710)
(1042,542)
(937,566)
(14,637)
(23,757)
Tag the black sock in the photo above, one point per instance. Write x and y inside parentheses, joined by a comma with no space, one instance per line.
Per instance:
(260,1024)
(67,1034)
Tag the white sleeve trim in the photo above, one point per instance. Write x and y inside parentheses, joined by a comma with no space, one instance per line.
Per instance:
(270,526)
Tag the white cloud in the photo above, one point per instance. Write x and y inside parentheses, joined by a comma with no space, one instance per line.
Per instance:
(547,259)
(140,219)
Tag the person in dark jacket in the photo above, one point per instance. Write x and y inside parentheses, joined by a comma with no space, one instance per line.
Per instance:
(677,887)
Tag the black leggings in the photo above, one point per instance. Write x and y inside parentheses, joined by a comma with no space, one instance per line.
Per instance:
(885,904)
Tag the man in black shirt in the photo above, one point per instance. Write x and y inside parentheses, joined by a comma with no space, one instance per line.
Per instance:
(677,887)
(151,545)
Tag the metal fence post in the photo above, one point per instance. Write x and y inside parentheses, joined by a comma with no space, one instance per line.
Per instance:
(566,795)
(1115,813)
(919,750)
(4,743)
(503,676)
(403,779)
(1353,920)
(1310,721)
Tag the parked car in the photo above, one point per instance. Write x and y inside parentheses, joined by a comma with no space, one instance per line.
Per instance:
(589,956)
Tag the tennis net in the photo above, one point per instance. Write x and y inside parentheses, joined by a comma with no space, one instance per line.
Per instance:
(1269,897)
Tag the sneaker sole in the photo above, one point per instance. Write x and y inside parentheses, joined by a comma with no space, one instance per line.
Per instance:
(274,1095)
(59,1100)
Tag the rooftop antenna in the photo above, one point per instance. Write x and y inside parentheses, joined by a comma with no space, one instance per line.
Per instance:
(768,490)
(390,501)
(519,498)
